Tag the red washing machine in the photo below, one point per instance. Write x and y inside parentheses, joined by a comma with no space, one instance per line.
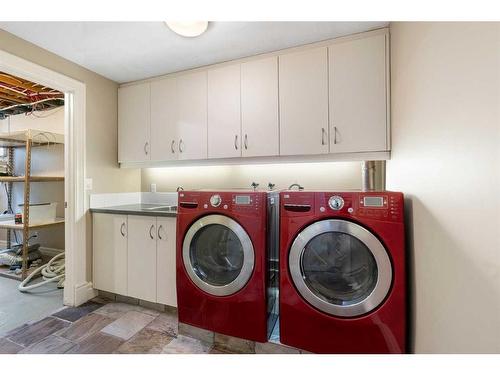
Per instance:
(342,272)
(221,261)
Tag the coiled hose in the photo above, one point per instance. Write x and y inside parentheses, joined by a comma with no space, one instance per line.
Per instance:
(52,271)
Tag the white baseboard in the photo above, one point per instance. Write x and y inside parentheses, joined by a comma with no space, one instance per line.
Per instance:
(83,293)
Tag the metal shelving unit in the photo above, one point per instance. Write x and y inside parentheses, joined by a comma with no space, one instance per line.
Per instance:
(26,139)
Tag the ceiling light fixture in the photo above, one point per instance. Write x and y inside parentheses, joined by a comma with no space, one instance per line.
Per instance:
(188,29)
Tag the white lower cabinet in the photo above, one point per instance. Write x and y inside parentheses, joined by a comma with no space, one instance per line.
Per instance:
(141,270)
(110,253)
(166,292)
(135,256)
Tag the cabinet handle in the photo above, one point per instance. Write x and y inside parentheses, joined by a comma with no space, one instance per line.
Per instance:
(159,235)
(172,147)
(334,135)
(181,149)
(122,227)
(323,136)
(236,142)
(246,142)
(146,147)
(151,232)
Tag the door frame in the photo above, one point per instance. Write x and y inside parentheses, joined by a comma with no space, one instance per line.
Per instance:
(77,289)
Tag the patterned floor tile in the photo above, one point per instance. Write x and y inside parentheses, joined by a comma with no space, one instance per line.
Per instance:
(233,344)
(197,333)
(85,327)
(186,345)
(35,332)
(165,322)
(72,314)
(8,347)
(272,348)
(146,341)
(98,343)
(116,310)
(49,345)
(218,351)
(128,325)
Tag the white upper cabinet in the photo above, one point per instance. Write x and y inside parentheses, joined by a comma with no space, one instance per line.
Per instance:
(134,123)
(224,114)
(358,95)
(164,135)
(192,115)
(259,107)
(303,98)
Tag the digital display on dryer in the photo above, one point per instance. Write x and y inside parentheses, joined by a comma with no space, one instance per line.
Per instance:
(242,199)
(373,202)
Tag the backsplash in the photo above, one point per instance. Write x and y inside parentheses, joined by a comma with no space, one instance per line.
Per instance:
(321,176)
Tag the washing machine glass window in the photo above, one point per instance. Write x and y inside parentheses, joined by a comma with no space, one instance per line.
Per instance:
(340,268)
(218,255)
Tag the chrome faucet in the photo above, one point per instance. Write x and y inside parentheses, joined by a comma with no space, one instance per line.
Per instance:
(295,185)
(179,188)
(254,185)
(271,186)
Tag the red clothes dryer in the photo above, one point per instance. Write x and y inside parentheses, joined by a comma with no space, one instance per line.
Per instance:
(221,262)
(342,272)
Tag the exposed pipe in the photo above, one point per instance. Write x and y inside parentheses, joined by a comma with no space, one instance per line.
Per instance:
(373,175)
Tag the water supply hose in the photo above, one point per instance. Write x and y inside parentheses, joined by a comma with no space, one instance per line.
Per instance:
(52,271)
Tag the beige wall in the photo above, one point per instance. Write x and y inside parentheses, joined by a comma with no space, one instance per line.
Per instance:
(101,121)
(445,157)
(327,176)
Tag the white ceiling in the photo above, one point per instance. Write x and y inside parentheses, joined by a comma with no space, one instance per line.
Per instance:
(129,51)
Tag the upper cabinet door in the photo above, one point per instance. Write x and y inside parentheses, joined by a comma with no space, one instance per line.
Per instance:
(358,95)
(134,123)
(192,116)
(303,94)
(259,107)
(164,120)
(224,115)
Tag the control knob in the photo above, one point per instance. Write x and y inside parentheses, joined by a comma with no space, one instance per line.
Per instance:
(215,200)
(336,203)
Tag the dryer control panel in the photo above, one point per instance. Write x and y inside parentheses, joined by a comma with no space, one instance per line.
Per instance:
(385,205)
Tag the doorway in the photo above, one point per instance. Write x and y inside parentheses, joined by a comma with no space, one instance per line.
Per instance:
(77,286)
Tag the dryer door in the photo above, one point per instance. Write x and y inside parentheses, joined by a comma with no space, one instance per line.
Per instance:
(218,255)
(340,268)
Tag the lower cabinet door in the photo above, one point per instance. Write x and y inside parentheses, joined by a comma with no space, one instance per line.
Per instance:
(110,252)
(142,257)
(166,292)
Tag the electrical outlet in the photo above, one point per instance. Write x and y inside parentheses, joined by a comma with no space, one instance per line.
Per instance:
(152,188)
(88,184)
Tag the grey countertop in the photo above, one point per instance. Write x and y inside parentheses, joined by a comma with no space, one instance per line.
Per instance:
(139,209)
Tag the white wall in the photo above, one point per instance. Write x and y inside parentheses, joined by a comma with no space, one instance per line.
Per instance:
(322,176)
(45,161)
(445,158)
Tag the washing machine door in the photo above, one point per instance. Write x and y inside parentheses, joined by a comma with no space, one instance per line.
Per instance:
(218,255)
(340,268)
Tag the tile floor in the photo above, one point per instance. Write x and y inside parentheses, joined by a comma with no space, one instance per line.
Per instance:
(106,327)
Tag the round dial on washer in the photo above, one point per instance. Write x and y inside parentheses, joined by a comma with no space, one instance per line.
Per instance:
(336,203)
(215,200)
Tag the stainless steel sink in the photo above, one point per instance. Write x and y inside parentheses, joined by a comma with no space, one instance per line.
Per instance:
(162,208)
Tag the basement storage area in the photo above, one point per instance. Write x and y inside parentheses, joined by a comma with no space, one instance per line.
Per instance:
(31,170)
